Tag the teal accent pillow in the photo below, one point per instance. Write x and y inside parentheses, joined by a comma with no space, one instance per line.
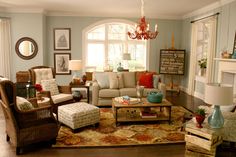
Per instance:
(156,80)
(23,104)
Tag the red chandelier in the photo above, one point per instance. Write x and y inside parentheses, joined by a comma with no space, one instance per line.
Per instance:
(142,29)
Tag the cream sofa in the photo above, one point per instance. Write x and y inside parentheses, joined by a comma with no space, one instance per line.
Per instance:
(107,85)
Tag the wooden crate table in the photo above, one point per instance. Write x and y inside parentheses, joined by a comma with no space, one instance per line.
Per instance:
(201,142)
(164,113)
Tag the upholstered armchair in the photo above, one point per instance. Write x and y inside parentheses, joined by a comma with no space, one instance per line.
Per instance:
(59,95)
(25,126)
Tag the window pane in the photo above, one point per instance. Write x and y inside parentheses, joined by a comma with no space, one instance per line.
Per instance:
(116,31)
(115,54)
(138,56)
(95,55)
(97,33)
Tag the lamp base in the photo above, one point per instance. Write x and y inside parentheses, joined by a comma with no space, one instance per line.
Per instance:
(216,119)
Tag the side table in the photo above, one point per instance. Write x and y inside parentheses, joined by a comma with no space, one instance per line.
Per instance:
(77,87)
(201,141)
(44,102)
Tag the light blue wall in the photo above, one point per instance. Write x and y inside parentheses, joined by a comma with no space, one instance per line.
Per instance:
(25,25)
(225,36)
(77,24)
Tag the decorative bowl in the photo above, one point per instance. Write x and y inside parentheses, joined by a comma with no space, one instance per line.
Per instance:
(155,97)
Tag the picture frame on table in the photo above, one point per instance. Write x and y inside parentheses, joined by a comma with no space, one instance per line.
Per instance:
(61,63)
(62,39)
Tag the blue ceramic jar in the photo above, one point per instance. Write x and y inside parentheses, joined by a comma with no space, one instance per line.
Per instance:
(155,97)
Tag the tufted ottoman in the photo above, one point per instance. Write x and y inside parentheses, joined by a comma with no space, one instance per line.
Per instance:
(79,114)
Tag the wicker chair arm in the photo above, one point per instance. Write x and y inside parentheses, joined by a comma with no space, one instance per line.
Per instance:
(65,89)
(34,116)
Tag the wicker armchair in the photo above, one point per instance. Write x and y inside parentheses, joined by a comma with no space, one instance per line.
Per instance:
(39,73)
(26,127)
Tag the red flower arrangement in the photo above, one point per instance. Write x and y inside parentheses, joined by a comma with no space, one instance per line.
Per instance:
(38,87)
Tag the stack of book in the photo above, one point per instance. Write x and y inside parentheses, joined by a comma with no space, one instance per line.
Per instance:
(127,100)
(148,114)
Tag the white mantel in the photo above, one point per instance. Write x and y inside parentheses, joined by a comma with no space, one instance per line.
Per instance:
(225,65)
(227,72)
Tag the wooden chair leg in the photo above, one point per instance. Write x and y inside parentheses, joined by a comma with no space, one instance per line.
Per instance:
(7,138)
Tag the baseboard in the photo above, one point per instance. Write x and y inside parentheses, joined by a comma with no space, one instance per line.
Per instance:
(184,89)
(199,95)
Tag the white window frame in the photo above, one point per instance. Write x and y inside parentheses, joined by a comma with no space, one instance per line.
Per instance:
(85,40)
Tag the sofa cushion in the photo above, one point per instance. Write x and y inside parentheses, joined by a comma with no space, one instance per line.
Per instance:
(120,80)
(129,79)
(113,80)
(50,85)
(61,98)
(146,80)
(43,74)
(128,91)
(148,90)
(108,93)
(102,79)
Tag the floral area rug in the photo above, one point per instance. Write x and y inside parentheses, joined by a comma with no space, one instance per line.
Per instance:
(108,134)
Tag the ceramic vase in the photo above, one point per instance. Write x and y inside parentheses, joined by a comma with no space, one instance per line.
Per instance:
(200,119)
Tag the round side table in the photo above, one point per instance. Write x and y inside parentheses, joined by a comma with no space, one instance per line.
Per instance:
(44,102)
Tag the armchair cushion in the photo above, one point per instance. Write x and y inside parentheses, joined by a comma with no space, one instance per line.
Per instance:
(43,74)
(23,104)
(61,98)
(50,85)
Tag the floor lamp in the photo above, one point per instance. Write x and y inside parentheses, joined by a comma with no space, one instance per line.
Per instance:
(218,95)
(126,57)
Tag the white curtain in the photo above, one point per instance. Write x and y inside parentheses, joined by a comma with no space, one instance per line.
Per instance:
(5,48)
(192,66)
(211,50)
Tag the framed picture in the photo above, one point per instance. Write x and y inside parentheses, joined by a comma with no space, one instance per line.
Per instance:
(234,48)
(62,39)
(61,63)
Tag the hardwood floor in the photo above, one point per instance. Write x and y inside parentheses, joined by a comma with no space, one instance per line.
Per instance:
(170,150)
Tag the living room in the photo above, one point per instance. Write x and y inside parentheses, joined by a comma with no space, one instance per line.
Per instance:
(41,21)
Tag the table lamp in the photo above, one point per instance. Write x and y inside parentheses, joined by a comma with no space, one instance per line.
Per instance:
(75,65)
(218,95)
(126,57)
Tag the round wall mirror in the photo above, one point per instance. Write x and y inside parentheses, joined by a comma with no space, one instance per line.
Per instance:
(26,48)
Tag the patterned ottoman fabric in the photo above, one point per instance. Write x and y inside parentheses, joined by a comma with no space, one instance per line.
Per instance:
(77,115)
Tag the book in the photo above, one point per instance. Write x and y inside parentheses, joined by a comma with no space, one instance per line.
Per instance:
(148,114)
(127,100)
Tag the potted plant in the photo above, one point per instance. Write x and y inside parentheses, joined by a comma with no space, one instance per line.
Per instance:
(203,65)
(39,89)
(200,115)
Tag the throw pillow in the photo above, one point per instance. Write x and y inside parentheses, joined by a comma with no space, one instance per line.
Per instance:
(102,79)
(23,104)
(113,80)
(120,80)
(156,80)
(50,85)
(146,80)
(129,79)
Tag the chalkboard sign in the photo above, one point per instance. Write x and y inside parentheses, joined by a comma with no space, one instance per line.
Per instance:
(172,62)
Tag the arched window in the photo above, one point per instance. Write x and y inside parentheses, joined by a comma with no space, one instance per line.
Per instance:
(107,41)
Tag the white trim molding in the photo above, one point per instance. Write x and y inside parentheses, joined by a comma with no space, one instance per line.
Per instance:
(207,8)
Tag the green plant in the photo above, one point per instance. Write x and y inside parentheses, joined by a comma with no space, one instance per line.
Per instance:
(200,111)
(202,63)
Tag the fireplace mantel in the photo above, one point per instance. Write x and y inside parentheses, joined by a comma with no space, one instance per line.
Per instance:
(225,65)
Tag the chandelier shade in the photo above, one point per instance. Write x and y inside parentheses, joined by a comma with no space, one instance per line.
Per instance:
(142,29)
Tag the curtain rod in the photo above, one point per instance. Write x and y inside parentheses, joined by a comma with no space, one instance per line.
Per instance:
(1,17)
(205,17)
